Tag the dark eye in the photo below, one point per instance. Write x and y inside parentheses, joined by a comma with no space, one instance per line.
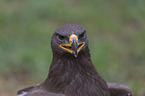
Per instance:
(82,35)
(60,37)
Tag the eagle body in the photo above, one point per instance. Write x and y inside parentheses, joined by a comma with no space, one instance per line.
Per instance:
(75,76)
(72,72)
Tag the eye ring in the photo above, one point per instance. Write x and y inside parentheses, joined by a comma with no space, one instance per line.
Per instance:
(60,37)
(82,35)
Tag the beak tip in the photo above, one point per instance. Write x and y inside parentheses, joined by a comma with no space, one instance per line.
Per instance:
(75,55)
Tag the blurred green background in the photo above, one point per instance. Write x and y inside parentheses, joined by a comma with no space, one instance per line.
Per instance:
(116,30)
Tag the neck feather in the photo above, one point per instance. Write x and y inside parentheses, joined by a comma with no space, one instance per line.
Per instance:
(67,72)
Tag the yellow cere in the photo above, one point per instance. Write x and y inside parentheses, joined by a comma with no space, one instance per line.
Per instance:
(73,36)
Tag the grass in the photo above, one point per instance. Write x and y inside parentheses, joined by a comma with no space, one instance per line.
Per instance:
(115,28)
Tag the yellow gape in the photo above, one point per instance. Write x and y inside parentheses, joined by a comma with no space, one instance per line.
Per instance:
(73,47)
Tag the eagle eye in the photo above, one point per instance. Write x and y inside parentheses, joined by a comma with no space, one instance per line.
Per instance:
(82,35)
(60,37)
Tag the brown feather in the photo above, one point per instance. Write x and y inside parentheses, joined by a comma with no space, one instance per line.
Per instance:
(69,75)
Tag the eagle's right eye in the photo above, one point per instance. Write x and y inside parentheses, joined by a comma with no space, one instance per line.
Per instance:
(60,37)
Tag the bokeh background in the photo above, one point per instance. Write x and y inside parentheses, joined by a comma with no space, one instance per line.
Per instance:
(116,30)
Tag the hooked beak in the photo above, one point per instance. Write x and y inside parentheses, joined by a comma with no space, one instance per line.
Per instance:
(73,47)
